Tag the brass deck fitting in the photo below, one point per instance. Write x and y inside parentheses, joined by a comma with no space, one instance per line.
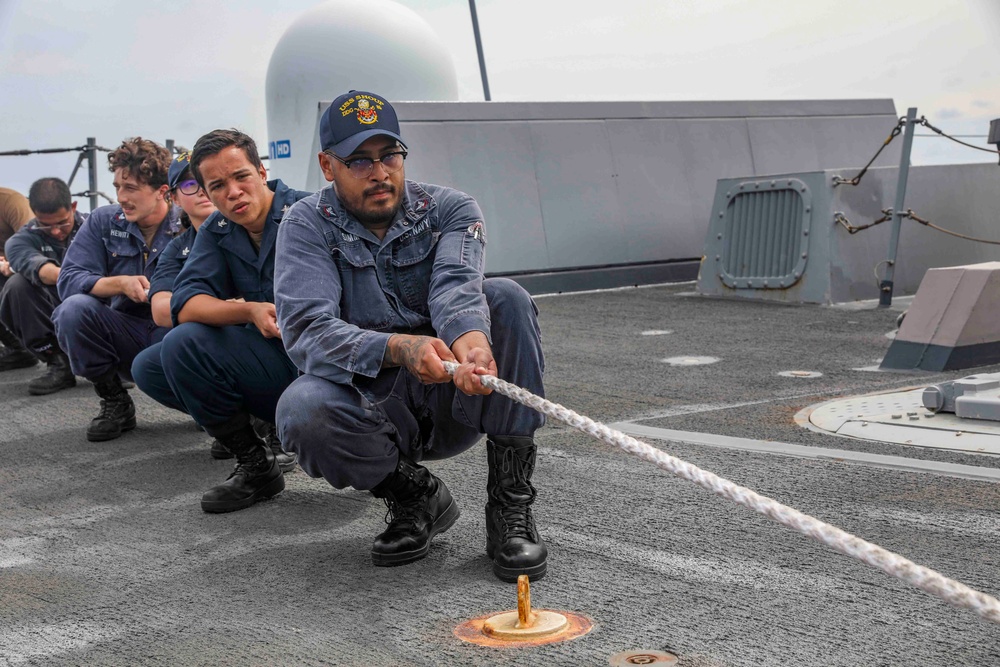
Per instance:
(524,627)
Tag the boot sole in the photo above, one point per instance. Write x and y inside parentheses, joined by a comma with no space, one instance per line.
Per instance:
(443,523)
(221,455)
(102,437)
(511,574)
(271,489)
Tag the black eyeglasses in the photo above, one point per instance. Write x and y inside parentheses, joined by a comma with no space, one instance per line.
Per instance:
(362,167)
(189,187)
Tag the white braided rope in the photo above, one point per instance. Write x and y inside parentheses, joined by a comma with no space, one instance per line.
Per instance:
(951,591)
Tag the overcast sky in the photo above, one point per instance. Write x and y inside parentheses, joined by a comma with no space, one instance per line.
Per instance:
(167,69)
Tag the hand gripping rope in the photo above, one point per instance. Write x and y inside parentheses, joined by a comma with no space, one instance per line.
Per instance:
(951,591)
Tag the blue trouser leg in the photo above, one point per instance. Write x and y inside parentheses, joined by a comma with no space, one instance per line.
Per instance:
(220,373)
(26,310)
(147,371)
(347,439)
(100,340)
(517,349)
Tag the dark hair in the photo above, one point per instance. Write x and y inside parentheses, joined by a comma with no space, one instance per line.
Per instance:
(217,141)
(147,161)
(49,195)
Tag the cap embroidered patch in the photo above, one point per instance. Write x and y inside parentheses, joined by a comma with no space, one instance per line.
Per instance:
(367,114)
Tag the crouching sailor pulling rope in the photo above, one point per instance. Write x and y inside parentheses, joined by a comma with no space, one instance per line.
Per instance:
(378,282)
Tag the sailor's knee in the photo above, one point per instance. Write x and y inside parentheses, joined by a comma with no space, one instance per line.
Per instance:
(146,366)
(503,293)
(186,338)
(17,287)
(75,311)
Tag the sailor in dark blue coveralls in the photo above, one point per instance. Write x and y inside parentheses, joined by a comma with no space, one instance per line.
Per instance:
(147,368)
(224,361)
(35,254)
(379,280)
(104,319)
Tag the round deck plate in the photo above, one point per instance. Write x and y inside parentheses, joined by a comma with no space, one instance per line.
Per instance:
(471,631)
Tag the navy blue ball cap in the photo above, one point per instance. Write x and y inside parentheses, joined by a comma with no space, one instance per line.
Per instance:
(180,164)
(355,117)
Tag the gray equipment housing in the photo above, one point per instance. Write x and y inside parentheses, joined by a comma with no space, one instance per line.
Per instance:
(777,238)
(972,397)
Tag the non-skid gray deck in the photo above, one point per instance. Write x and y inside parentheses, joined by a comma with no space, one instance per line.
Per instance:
(107,559)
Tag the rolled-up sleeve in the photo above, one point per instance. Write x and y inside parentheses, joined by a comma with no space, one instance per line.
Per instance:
(86,259)
(307,292)
(456,299)
(26,257)
(205,272)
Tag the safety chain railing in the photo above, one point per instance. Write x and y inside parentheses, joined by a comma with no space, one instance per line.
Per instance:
(78,149)
(97,193)
(837,180)
(953,592)
(842,220)
(923,121)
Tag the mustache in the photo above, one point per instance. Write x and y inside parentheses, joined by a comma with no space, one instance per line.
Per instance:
(381,187)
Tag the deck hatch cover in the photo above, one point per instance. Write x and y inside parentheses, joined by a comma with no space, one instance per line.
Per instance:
(766,234)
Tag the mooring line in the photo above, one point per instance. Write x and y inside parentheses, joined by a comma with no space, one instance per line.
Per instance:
(953,592)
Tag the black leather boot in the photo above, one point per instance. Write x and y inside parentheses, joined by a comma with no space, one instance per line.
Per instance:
(256,476)
(219,450)
(12,353)
(511,538)
(268,432)
(57,376)
(420,507)
(117,410)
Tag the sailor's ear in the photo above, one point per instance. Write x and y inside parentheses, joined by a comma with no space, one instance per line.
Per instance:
(326,165)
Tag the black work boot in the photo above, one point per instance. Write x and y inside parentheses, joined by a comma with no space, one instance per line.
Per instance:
(219,450)
(256,476)
(117,410)
(268,432)
(420,507)
(511,538)
(57,376)
(12,353)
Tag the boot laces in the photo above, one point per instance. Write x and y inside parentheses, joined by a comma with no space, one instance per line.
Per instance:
(398,513)
(515,513)
(110,408)
(406,509)
(518,521)
(250,465)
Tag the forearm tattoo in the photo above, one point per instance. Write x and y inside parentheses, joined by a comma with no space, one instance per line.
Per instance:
(406,350)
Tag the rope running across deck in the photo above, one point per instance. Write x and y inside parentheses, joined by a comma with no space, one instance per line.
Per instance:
(952,591)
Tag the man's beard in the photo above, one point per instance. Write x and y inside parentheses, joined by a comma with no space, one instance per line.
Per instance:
(380,218)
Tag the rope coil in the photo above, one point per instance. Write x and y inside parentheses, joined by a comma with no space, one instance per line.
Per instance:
(953,592)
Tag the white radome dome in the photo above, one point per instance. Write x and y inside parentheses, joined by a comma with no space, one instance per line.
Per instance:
(374,45)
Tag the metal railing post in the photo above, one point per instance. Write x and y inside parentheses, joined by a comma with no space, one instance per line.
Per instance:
(898,211)
(92,171)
